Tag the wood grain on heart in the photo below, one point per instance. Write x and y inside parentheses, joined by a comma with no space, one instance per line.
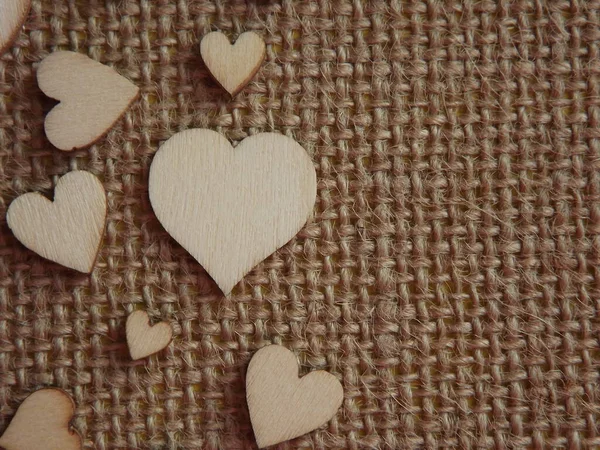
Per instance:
(283,406)
(233,66)
(144,340)
(12,15)
(93,97)
(231,207)
(67,230)
(42,423)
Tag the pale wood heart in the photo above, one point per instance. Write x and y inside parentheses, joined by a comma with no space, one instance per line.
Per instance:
(93,97)
(231,208)
(233,66)
(12,15)
(144,340)
(67,230)
(42,423)
(283,406)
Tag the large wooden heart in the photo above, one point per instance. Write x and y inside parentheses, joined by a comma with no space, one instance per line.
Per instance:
(231,207)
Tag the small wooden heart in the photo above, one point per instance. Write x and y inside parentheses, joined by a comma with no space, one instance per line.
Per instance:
(231,207)
(42,423)
(12,15)
(93,97)
(233,66)
(283,406)
(69,229)
(144,340)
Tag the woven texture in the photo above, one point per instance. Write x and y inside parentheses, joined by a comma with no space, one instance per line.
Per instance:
(450,274)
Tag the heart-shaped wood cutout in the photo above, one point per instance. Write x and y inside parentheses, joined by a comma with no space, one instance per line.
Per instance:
(67,230)
(93,97)
(283,406)
(233,66)
(12,15)
(42,423)
(231,208)
(144,340)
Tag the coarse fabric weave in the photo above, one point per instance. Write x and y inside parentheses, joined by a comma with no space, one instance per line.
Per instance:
(449,276)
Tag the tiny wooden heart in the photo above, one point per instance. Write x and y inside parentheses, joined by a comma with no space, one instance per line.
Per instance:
(283,406)
(144,340)
(231,208)
(93,97)
(42,423)
(233,66)
(12,15)
(69,229)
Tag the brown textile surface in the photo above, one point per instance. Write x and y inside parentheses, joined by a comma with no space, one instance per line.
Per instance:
(450,276)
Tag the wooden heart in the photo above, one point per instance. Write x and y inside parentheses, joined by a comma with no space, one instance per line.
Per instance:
(93,97)
(12,15)
(144,340)
(283,406)
(233,66)
(69,229)
(231,208)
(42,423)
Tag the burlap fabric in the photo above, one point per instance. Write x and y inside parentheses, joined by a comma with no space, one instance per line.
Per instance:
(450,274)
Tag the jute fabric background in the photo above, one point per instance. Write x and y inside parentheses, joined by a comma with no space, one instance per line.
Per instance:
(450,274)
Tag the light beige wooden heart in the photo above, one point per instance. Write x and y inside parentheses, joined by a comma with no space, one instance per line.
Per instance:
(144,340)
(231,208)
(93,97)
(67,230)
(283,406)
(233,66)
(42,423)
(12,15)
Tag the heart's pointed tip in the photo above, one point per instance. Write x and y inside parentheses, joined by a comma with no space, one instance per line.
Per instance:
(136,357)
(142,355)
(262,442)
(227,295)
(226,288)
(83,268)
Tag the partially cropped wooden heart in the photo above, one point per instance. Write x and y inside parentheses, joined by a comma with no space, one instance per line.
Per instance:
(233,66)
(67,230)
(231,207)
(12,15)
(144,340)
(283,406)
(42,423)
(93,97)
